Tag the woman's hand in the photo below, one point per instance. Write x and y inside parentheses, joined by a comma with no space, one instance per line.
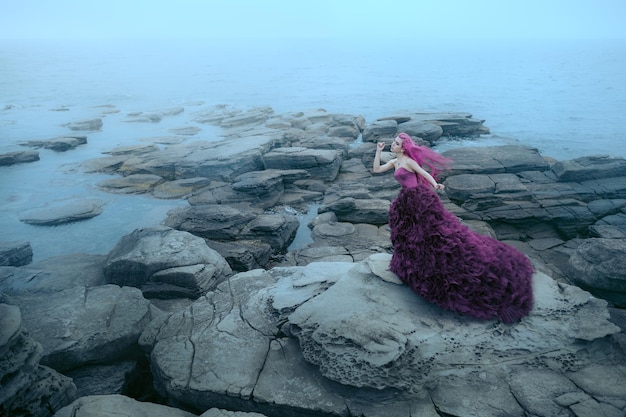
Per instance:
(439,186)
(380,146)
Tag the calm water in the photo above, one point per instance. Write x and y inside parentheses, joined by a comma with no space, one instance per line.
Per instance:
(568,99)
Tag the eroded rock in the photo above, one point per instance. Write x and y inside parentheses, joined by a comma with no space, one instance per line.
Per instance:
(367,338)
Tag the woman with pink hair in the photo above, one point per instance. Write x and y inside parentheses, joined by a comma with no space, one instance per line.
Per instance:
(439,257)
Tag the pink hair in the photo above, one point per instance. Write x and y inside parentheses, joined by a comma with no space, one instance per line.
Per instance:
(428,159)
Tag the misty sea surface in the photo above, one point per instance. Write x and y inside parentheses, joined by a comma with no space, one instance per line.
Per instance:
(565,98)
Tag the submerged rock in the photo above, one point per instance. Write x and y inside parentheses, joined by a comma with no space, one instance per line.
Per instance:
(63,212)
(17,253)
(60,144)
(19,157)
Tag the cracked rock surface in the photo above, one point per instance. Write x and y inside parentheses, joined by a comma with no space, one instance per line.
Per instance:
(332,338)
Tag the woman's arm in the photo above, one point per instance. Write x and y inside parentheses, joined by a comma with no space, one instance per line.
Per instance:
(421,171)
(377,166)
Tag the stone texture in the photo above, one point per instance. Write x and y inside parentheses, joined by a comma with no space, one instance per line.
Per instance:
(28,389)
(82,325)
(165,263)
(18,157)
(62,212)
(109,405)
(15,253)
(321,338)
(599,265)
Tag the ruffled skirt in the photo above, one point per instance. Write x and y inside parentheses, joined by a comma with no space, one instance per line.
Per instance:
(452,266)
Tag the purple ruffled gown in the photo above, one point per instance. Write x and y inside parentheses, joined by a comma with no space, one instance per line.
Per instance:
(450,265)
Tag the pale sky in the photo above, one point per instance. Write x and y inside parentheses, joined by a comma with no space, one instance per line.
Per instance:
(419,19)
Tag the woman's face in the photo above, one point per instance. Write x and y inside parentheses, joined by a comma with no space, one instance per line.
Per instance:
(396,145)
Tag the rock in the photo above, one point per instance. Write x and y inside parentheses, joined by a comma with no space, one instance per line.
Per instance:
(275,229)
(132,184)
(417,129)
(88,124)
(211,221)
(590,167)
(81,325)
(60,144)
(16,253)
(599,266)
(179,188)
(380,129)
(102,379)
(321,254)
(62,212)
(54,274)
(109,405)
(254,116)
(495,160)
(221,161)
(19,157)
(155,115)
(216,412)
(370,211)
(244,255)
(321,164)
(108,164)
(372,339)
(132,150)
(28,388)
(265,188)
(222,223)
(165,263)
(185,130)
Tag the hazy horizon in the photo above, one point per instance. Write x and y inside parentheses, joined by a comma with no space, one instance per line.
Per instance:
(330,19)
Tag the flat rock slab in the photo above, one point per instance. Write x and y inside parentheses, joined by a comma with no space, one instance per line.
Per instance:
(19,157)
(16,253)
(63,212)
(334,336)
(82,325)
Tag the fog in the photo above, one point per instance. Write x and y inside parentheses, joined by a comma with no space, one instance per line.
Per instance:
(274,19)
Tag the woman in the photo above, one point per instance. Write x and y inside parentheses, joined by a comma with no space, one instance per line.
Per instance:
(439,257)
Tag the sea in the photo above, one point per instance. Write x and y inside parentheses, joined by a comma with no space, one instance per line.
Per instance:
(567,98)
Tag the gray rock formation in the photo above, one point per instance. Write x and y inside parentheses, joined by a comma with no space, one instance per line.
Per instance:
(599,265)
(18,157)
(53,275)
(62,212)
(325,329)
(262,233)
(322,164)
(131,184)
(60,144)
(165,263)
(83,325)
(322,338)
(109,405)
(86,124)
(15,253)
(28,388)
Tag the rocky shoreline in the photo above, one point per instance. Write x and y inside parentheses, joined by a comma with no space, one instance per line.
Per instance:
(215,312)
